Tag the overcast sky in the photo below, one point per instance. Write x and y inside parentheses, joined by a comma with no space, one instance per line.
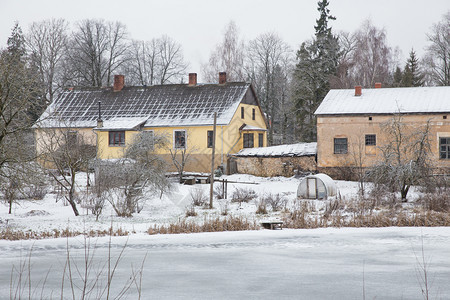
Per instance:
(199,24)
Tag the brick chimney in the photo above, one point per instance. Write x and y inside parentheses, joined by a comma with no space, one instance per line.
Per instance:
(222,77)
(378,85)
(119,82)
(192,79)
(358,90)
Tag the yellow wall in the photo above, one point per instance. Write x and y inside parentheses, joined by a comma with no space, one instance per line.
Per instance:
(228,139)
(354,128)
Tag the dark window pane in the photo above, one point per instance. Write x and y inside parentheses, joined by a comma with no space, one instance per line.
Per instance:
(253,114)
(210,138)
(260,139)
(444,148)
(340,145)
(242,112)
(371,140)
(180,139)
(117,138)
(248,140)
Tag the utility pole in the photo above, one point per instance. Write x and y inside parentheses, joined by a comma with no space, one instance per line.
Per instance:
(211,181)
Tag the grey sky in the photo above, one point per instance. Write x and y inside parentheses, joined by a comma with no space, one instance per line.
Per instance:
(199,24)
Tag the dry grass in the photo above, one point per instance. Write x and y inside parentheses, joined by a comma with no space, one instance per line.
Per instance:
(209,225)
(363,213)
(14,235)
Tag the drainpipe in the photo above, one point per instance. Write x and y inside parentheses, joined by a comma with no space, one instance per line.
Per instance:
(221,152)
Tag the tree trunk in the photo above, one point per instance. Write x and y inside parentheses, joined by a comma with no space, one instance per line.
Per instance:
(404,192)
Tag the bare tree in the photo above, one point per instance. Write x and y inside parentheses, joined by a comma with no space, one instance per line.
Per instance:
(158,61)
(66,152)
(228,56)
(405,160)
(142,63)
(47,44)
(97,50)
(171,65)
(437,59)
(266,57)
(181,152)
(124,180)
(342,80)
(372,57)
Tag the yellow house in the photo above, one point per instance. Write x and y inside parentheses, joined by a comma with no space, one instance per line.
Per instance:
(182,113)
(351,124)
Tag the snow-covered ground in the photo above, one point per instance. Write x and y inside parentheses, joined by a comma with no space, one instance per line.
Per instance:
(48,215)
(326,263)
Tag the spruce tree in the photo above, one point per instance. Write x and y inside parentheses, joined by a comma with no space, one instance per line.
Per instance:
(398,77)
(412,76)
(317,62)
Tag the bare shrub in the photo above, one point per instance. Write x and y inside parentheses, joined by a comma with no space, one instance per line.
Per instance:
(219,191)
(243,195)
(190,211)
(96,204)
(223,204)
(261,207)
(198,197)
(275,201)
(438,201)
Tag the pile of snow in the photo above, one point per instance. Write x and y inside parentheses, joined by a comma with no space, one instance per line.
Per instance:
(300,149)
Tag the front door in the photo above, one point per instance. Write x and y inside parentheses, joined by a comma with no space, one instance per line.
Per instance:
(311,185)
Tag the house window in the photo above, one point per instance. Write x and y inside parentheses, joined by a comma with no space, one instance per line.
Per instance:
(371,140)
(260,139)
(253,114)
(242,112)
(340,145)
(117,138)
(444,146)
(248,140)
(179,139)
(209,139)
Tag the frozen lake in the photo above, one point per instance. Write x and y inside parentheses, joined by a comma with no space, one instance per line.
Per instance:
(284,264)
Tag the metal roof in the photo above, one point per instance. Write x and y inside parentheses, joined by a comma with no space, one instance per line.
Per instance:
(161,105)
(386,101)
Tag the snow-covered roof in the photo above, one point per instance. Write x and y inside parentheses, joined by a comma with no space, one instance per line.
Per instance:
(249,127)
(122,123)
(300,149)
(159,105)
(386,101)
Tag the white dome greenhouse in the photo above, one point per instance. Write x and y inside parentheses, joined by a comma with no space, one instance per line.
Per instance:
(318,186)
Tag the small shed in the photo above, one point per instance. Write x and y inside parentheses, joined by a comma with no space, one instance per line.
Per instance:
(318,186)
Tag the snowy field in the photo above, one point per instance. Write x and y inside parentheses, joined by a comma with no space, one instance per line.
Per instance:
(326,263)
(49,214)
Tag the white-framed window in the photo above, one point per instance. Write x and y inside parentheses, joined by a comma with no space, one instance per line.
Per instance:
(116,138)
(444,147)
(179,139)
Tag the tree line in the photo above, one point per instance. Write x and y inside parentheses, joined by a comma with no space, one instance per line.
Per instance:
(289,84)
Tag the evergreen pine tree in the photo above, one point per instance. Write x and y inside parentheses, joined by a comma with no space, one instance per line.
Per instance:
(398,77)
(412,76)
(317,62)
(16,43)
